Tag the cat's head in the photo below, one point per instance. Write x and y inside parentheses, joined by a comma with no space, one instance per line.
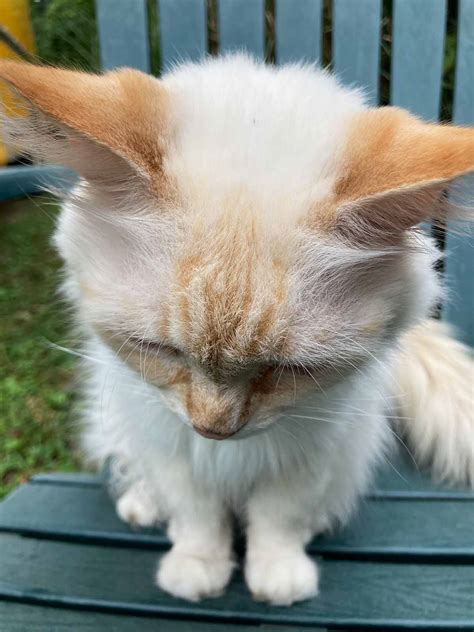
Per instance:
(241,235)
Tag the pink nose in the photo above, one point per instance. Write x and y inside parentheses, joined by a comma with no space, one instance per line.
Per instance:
(209,434)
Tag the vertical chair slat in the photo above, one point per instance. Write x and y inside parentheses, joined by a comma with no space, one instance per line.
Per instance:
(356,43)
(241,26)
(123,34)
(183,30)
(460,248)
(298,30)
(417,55)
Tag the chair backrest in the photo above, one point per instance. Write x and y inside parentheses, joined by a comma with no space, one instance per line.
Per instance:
(418,40)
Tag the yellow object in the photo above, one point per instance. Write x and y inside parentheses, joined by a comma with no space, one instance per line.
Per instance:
(14,18)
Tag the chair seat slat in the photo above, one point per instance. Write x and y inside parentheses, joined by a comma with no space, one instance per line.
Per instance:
(355,594)
(383,528)
(18,617)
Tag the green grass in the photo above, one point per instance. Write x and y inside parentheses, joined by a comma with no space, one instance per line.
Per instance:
(35,379)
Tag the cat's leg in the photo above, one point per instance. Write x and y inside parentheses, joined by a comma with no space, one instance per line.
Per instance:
(285,512)
(277,568)
(200,562)
(138,507)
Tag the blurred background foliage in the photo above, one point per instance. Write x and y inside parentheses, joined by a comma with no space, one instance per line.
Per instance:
(37,381)
(66,32)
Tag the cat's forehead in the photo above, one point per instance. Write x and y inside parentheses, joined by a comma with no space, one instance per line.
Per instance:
(228,299)
(270,135)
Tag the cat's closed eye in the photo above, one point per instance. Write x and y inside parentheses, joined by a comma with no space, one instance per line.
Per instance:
(300,368)
(146,345)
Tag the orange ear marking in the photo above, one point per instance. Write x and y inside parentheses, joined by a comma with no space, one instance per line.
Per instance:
(124,110)
(389,149)
(393,173)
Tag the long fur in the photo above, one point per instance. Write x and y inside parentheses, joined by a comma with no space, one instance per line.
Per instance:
(435,377)
(255,275)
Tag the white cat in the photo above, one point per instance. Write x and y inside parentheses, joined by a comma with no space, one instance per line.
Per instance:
(242,255)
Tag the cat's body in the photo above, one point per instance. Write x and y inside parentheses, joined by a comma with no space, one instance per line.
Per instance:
(297,478)
(242,260)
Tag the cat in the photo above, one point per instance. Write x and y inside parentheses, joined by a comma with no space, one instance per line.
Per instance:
(242,256)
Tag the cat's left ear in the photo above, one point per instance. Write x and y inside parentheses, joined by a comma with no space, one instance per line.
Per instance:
(393,173)
(94,124)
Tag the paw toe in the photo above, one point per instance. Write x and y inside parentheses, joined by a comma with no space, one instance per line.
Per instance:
(282,581)
(192,577)
(135,510)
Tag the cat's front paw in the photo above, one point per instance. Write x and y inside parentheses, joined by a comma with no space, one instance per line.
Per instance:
(137,509)
(193,577)
(282,580)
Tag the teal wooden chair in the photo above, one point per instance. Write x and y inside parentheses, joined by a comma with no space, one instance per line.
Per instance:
(407,560)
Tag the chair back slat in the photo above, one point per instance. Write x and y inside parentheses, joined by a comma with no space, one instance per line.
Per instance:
(123,34)
(183,30)
(459,263)
(241,26)
(464,90)
(356,43)
(417,58)
(298,30)
(417,55)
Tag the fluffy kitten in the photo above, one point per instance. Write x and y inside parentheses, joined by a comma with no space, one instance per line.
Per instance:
(241,253)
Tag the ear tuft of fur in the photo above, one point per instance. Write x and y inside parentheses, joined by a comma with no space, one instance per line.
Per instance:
(435,395)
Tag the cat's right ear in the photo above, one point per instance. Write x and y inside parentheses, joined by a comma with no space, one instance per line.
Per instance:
(393,174)
(98,125)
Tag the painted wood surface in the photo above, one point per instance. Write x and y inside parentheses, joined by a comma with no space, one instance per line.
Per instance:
(417,55)
(382,528)
(459,265)
(417,58)
(399,479)
(25,180)
(183,30)
(121,580)
(241,26)
(356,44)
(123,34)
(298,30)
(16,617)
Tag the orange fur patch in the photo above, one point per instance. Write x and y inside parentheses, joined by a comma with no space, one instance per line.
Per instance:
(225,265)
(126,110)
(393,172)
(389,149)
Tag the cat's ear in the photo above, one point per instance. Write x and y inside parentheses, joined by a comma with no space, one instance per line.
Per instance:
(88,122)
(394,172)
